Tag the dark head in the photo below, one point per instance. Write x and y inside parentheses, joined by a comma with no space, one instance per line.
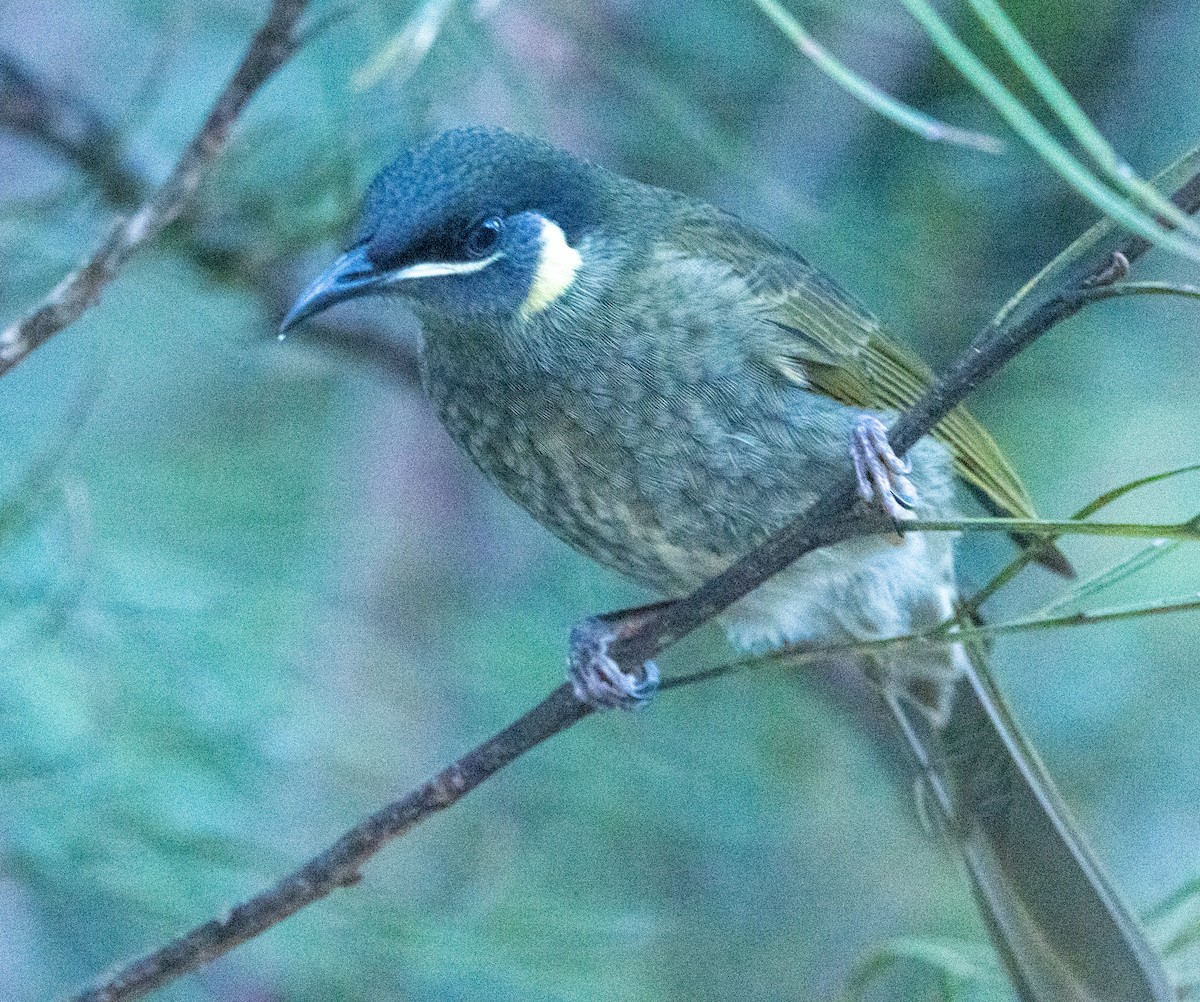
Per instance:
(477,221)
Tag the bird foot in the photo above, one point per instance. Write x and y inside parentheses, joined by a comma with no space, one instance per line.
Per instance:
(882,475)
(597,679)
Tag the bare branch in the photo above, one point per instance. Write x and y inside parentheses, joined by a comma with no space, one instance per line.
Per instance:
(1117,290)
(339,865)
(271,47)
(66,123)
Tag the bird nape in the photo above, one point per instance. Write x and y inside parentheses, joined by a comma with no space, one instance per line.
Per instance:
(663,386)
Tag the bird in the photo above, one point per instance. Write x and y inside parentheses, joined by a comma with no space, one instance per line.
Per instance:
(663,385)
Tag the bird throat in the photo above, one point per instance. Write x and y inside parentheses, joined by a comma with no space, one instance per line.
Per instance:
(556,266)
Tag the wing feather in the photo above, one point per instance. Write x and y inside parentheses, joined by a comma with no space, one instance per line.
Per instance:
(836,347)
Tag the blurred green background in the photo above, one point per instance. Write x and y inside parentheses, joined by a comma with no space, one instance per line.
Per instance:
(249,590)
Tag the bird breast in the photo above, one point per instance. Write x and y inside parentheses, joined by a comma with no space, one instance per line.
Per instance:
(647,430)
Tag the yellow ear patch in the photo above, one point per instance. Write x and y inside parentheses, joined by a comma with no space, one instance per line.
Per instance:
(557,264)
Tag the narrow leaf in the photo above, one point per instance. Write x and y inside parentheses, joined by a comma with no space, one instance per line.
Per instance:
(863,90)
(1189,530)
(405,51)
(1105,579)
(1080,256)
(956,960)
(1107,498)
(1075,118)
(1022,559)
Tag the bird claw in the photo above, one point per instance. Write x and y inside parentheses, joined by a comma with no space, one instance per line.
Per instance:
(597,679)
(882,475)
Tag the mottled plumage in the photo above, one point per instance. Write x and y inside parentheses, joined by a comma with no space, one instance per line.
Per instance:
(663,386)
(637,436)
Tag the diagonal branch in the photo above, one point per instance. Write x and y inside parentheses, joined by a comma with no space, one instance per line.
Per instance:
(338,866)
(66,123)
(650,633)
(271,47)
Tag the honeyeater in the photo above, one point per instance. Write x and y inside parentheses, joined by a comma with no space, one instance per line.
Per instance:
(662,386)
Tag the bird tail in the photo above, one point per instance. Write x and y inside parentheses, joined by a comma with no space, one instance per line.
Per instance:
(1055,919)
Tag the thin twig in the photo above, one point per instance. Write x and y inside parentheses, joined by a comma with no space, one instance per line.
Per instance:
(68,124)
(271,47)
(652,632)
(1117,290)
(1053,529)
(794,657)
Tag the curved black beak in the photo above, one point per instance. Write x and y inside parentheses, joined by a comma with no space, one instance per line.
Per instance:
(349,276)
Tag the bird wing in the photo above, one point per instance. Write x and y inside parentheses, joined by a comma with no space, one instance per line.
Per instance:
(837,348)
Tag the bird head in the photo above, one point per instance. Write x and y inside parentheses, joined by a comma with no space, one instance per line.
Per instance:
(476,223)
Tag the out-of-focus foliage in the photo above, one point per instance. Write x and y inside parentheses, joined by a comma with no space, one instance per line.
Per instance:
(250,590)
(963,970)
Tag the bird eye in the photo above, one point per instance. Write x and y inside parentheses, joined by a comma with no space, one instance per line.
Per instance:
(483,237)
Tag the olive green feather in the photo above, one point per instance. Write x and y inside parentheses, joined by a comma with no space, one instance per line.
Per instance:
(836,347)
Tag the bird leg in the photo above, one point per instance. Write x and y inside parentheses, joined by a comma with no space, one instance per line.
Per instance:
(597,678)
(882,475)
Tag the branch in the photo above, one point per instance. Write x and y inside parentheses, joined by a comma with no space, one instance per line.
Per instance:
(274,44)
(69,125)
(66,123)
(1052,529)
(339,865)
(651,632)
(793,657)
